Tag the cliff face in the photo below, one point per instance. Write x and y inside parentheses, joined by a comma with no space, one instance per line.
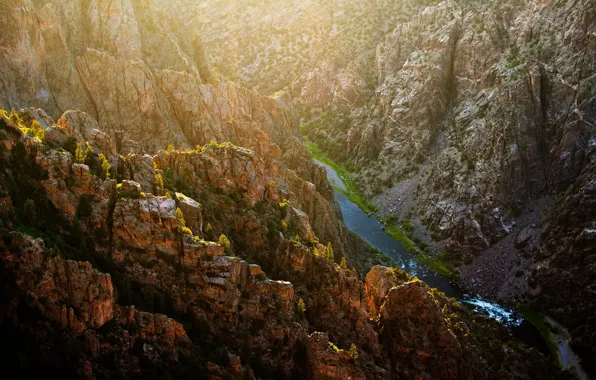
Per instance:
(135,101)
(481,133)
(120,275)
(216,255)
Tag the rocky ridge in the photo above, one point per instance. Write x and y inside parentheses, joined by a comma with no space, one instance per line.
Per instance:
(138,277)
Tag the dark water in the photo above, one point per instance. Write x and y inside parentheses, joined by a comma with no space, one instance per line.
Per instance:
(371,231)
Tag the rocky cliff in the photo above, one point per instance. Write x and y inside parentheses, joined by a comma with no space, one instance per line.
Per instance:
(174,280)
(160,221)
(480,135)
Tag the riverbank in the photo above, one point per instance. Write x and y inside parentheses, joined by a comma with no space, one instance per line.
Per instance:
(349,189)
(341,180)
(438,272)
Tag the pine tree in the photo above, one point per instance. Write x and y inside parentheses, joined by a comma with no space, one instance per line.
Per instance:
(354,351)
(301,307)
(79,154)
(328,252)
(210,232)
(344,264)
(105,165)
(224,242)
(88,154)
(159,182)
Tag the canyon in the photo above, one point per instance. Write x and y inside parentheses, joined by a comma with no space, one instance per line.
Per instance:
(161,215)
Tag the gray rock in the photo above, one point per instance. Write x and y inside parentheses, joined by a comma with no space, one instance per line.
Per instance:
(523,237)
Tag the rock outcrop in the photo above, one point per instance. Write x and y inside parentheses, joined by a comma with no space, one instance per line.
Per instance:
(448,342)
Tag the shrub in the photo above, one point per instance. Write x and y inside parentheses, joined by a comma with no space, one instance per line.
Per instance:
(224,242)
(159,182)
(182,229)
(343,264)
(301,307)
(170,148)
(328,252)
(35,131)
(407,227)
(105,165)
(80,154)
(14,117)
(354,351)
(88,154)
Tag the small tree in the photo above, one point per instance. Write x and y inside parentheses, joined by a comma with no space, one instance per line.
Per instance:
(343,264)
(354,351)
(224,242)
(88,154)
(159,181)
(182,229)
(210,232)
(105,165)
(36,131)
(79,154)
(328,252)
(301,307)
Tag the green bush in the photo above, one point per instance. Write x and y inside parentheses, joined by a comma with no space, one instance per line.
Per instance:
(105,165)
(224,242)
(344,264)
(353,351)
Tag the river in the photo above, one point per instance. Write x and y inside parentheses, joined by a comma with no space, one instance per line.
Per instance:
(371,231)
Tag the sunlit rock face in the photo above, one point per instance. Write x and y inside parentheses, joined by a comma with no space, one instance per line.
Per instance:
(183,227)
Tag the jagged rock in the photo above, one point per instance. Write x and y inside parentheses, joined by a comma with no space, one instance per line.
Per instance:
(379,282)
(101,57)
(192,211)
(229,168)
(140,168)
(85,129)
(70,293)
(467,237)
(415,333)
(128,99)
(326,363)
(145,223)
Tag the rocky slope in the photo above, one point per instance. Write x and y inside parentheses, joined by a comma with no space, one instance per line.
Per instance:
(481,134)
(103,279)
(159,221)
